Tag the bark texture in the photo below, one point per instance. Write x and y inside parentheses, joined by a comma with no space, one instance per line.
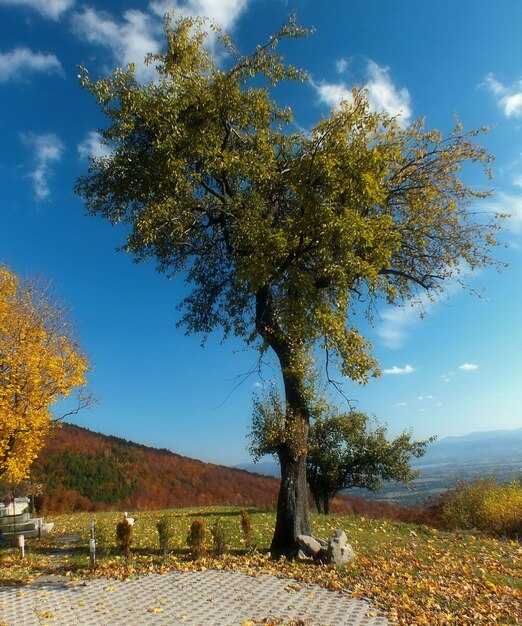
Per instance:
(293,516)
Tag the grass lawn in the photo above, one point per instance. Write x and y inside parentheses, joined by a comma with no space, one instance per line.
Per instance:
(414,574)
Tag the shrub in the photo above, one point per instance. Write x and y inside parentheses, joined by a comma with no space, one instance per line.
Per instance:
(124,537)
(485,505)
(248,530)
(103,542)
(196,538)
(219,537)
(164,529)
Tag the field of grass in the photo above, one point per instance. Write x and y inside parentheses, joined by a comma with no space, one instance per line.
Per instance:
(414,574)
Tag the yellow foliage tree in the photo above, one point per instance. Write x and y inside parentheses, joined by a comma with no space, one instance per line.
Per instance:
(40,363)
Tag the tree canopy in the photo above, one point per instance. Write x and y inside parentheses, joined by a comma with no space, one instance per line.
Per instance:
(280,234)
(40,363)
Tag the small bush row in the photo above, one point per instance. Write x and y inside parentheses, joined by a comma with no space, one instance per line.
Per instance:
(196,538)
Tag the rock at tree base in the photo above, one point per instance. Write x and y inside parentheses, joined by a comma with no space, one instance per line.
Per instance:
(339,550)
(334,552)
(310,546)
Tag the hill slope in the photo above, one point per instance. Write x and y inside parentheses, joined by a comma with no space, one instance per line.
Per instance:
(83,470)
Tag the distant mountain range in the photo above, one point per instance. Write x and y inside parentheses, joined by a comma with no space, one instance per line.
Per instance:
(495,453)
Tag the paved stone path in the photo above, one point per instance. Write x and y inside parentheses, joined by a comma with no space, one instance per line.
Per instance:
(210,598)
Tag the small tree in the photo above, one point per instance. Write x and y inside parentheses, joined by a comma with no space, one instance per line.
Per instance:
(345,452)
(248,530)
(164,528)
(219,537)
(124,537)
(40,363)
(196,538)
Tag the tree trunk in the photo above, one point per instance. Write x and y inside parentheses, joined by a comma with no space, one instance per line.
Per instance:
(293,516)
(326,505)
(292,506)
(317,501)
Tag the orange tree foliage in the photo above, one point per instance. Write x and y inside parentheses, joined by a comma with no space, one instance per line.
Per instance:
(40,363)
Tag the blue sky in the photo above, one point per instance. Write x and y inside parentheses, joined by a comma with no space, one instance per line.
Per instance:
(457,370)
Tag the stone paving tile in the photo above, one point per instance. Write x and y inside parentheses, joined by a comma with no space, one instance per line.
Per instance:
(210,598)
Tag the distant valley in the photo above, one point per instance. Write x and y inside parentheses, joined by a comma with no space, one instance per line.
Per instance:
(495,453)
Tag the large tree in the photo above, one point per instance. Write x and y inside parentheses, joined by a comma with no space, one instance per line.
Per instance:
(40,363)
(279,233)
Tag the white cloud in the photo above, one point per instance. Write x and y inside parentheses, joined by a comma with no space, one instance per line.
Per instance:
(47,149)
(341,65)
(407,369)
(51,9)
(130,40)
(383,95)
(430,397)
(509,98)
(509,203)
(420,398)
(333,93)
(468,367)
(92,146)
(223,12)
(14,64)
(401,404)
(140,33)
(396,322)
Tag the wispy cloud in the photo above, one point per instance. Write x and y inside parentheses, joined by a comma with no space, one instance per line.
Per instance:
(401,404)
(383,95)
(396,322)
(509,203)
(51,9)
(129,40)
(139,33)
(16,64)
(341,65)
(508,97)
(468,367)
(92,146)
(46,150)
(407,369)
(225,12)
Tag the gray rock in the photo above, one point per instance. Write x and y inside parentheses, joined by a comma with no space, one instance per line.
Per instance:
(303,556)
(309,545)
(335,551)
(339,550)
